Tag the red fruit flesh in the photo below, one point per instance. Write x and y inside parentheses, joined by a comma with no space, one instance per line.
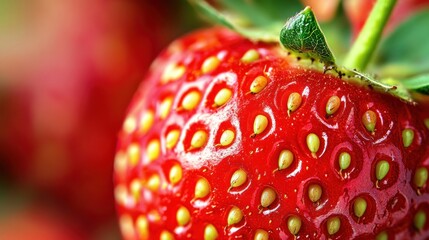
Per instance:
(155,176)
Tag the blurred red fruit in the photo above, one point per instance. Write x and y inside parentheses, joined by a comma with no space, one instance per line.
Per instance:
(37,223)
(358,10)
(67,71)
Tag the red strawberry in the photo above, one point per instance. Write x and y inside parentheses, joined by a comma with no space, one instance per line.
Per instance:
(227,138)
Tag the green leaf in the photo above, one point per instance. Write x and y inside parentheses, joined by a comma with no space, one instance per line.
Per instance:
(419,84)
(406,48)
(262,13)
(255,34)
(302,34)
(387,85)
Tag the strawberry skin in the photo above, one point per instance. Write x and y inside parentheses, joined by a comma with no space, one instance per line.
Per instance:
(232,139)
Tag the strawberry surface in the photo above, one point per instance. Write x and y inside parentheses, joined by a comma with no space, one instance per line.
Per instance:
(227,138)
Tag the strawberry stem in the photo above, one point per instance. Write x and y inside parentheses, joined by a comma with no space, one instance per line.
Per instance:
(367,40)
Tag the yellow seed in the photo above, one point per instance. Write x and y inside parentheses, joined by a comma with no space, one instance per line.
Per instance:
(172,138)
(235,215)
(314,192)
(258,84)
(333,225)
(142,226)
(294,224)
(250,56)
(369,119)
(222,97)
(166,235)
(154,216)
(285,159)
(381,169)
(261,234)
(183,216)
(175,174)
(407,137)
(120,164)
(382,236)
(344,160)
(121,194)
(153,150)
(165,107)
(421,177)
(153,182)
(227,137)
(260,124)
(146,121)
(359,207)
(133,152)
(239,177)
(333,105)
(202,188)
(172,72)
(191,100)
(293,102)
(210,232)
(427,123)
(130,125)
(127,226)
(420,220)
(268,196)
(313,144)
(199,139)
(210,64)
(136,188)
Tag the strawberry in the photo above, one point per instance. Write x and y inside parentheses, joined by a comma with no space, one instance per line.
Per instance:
(232,138)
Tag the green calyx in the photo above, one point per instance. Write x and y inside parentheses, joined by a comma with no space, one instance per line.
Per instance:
(302,37)
(302,34)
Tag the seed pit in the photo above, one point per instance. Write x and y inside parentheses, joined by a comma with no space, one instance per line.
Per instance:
(268,198)
(282,158)
(164,107)
(196,137)
(238,179)
(260,124)
(202,188)
(384,172)
(346,161)
(146,120)
(190,100)
(314,193)
(171,137)
(337,227)
(235,215)
(363,208)
(420,179)
(210,64)
(220,91)
(210,232)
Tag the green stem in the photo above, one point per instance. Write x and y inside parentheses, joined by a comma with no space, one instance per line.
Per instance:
(367,40)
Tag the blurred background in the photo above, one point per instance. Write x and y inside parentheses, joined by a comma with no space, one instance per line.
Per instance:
(68,70)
